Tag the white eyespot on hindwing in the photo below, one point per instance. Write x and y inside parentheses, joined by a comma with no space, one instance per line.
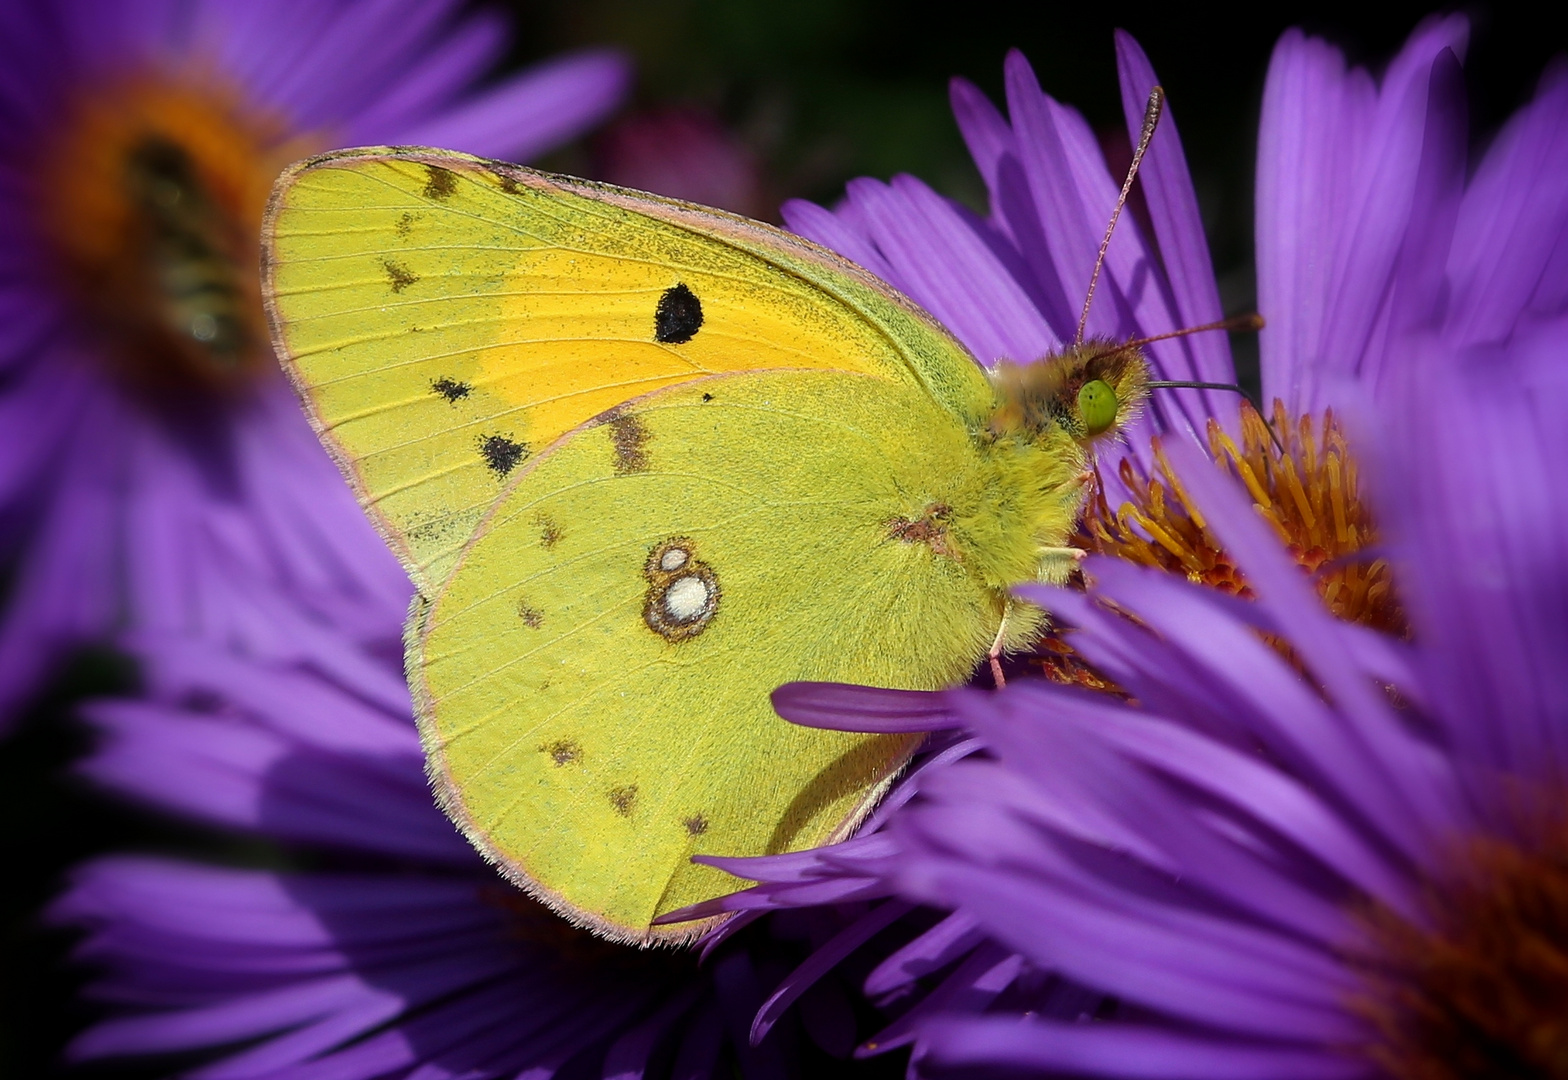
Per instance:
(683,591)
(687,598)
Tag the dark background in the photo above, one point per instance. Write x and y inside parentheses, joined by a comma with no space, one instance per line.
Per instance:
(805,95)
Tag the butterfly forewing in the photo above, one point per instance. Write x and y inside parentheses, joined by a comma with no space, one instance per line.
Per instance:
(446,318)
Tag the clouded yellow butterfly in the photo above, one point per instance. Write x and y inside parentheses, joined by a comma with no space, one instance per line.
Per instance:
(645,462)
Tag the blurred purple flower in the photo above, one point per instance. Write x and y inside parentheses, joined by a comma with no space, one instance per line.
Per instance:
(685,154)
(400,953)
(1349,863)
(156,472)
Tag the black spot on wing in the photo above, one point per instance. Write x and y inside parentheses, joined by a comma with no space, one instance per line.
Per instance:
(405,225)
(532,617)
(549,532)
(678,317)
(563,751)
(501,453)
(624,799)
(450,389)
(440,183)
(504,177)
(696,825)
(399,276)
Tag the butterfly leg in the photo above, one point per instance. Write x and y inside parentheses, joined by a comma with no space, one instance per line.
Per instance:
(995,655)
(1058,563)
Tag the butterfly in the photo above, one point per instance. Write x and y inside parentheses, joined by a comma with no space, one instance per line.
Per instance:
(645,462)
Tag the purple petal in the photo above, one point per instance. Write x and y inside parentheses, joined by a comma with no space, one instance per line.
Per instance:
(1122,1050)
(938,947)
(535,111)
(823,960)
(846,707)
(1178,227)
(1418,808)
(828,229)
(984,130)
(946,266)
(1206,967)
(1510,228)
(1478,519)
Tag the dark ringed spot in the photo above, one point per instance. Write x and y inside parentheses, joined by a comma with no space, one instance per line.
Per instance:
(696,825)
(450,389)
(400,276)
(678,317)
(501,453)
(679,605)
(623,799)
(628,436)
(563,751)
(666,558)
(532,617)
(441,182)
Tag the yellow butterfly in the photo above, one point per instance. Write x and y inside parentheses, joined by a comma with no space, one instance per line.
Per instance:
(645,462)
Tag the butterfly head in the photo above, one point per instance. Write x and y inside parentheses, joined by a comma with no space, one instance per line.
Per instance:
(1088,392)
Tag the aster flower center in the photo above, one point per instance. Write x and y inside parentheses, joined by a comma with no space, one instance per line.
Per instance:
(1306,487)
(1482,989)
(151,194)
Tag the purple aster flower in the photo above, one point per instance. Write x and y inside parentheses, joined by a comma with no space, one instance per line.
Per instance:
(1342,859)
(1431,256)
(400,953)
(156,471)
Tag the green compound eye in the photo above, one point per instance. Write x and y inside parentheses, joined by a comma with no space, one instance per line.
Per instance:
(1097,406)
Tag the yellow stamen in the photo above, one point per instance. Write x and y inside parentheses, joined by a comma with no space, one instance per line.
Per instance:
(1308,493)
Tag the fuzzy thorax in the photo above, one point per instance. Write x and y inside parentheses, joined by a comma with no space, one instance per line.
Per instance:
(1010,517)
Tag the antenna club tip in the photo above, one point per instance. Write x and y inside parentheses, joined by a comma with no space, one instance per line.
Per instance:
(1251,322)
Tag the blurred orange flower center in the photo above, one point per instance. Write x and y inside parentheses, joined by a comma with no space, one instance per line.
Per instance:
(152,193)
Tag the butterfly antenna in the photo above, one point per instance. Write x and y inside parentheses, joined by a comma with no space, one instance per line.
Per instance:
(1249,322)
(1151,117)
(1165,384)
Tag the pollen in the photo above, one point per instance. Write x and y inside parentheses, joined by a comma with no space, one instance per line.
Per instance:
(151,193)
(1477,990)
(1305,486)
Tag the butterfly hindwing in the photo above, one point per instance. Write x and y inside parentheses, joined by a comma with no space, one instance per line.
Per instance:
(593,680)
(446,318)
